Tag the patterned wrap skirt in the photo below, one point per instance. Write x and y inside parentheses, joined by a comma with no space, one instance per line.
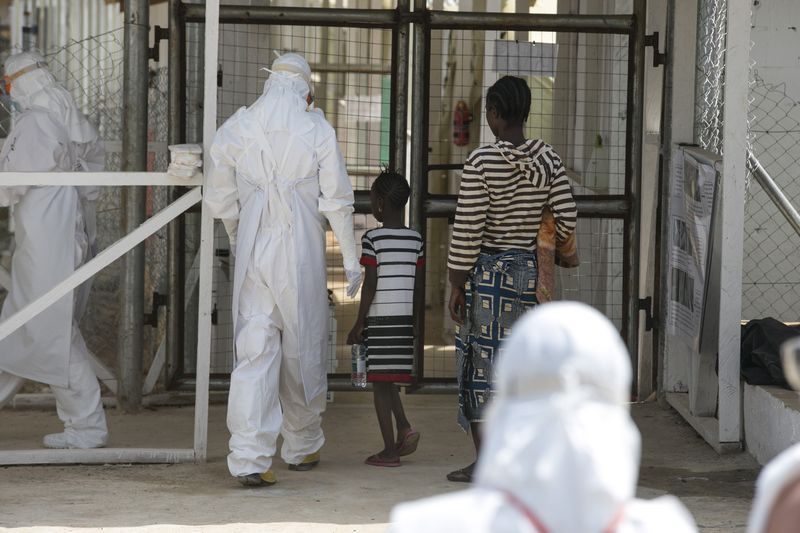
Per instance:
(500,289)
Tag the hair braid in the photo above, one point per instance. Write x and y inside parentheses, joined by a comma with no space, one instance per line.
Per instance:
(392,187)
(511,96)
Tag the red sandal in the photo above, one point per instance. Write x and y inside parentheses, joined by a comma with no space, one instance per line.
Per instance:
(407,442)
(377,460)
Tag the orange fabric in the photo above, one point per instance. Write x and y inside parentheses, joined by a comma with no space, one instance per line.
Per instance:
(549,253)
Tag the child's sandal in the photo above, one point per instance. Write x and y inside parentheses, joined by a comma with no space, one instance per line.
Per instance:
(407,442)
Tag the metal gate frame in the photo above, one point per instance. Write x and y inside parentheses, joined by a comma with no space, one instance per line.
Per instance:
(416,18)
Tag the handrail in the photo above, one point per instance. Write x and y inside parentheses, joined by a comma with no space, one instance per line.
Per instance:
(774,192)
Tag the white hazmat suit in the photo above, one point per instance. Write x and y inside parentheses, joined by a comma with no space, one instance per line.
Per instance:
(777,476)
(560,452)
(55,230)
(276,174)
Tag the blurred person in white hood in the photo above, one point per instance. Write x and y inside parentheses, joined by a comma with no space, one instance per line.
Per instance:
(560,451)
(276,175)
(776,507)
(55,231)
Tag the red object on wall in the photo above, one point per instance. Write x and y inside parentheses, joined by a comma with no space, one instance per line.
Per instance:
(462,117)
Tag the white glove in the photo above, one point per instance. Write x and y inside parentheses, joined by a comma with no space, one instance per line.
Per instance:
(353,282)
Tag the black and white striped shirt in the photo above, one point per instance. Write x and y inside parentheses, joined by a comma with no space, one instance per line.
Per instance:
(503,191)
(396,253)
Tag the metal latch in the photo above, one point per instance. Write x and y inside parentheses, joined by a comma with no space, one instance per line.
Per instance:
(151,318)
(159,34)
(659,58)
(646,305)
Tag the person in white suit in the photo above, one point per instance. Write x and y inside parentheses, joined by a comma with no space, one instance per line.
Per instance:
(55,231)
(561,452)
(276,174)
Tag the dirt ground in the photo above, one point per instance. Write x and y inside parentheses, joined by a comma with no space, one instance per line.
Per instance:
(341,495)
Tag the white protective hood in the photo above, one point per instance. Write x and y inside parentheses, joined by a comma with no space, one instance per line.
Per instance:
(778,475)
(558,438)
(38,88)
(559,429)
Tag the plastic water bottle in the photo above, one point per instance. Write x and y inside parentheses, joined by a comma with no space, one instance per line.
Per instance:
(358,375)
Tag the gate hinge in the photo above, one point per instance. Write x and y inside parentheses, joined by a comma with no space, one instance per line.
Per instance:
(646,305)
(160,34)
(214,316)
(659,58)
(151,318)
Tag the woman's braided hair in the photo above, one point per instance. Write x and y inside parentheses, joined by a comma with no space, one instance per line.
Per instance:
(511,96)
(392,187)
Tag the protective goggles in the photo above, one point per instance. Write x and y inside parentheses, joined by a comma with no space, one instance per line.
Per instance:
(7,79)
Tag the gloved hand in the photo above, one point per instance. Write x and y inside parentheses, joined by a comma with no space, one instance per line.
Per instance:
(353,282)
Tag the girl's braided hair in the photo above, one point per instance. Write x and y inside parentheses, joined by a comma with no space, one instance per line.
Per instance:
(511,96)
(392,187)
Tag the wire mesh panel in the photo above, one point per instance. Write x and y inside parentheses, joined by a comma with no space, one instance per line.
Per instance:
(709,84)
(771,269)
(351,75)
(579,103)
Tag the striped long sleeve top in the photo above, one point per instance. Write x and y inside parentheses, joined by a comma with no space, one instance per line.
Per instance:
(503,191)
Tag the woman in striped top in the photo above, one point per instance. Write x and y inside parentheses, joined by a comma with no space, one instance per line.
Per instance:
(506,188)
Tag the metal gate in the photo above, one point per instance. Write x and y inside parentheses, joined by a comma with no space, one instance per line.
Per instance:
(382,73)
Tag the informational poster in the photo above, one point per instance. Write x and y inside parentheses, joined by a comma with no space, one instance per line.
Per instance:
(693,189)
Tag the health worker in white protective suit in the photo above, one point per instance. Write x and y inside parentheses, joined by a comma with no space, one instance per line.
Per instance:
(276,175)
(560,451)
(776,506)
(55,230)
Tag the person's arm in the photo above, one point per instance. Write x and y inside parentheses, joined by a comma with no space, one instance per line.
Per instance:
(356,335)
(220,194)
(560,200)
(336,204)
(28,148)
(419,295)
(468,229)
(369,259)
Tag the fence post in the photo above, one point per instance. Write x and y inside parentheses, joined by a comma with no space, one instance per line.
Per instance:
(633,174)
(176,230)
(419,161)
(134,157)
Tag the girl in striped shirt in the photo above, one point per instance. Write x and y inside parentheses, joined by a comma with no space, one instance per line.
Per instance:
(507,189)
(393,262)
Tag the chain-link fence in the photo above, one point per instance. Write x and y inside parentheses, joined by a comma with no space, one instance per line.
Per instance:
(771,269)
(710,74)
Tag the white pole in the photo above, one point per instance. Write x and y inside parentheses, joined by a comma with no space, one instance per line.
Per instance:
(734,171)
(206,237)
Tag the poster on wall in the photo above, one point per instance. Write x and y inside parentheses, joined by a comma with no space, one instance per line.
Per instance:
(694,184)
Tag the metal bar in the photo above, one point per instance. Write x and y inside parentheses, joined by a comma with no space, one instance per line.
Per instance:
(351,68)
(444,205)
(97,456)
(419,162)
(206,239)
(400,63)
(297,16)
(633,186)
(95,179)
(774,192)
(99,262)
(464,20)
(134,157)
(176,231)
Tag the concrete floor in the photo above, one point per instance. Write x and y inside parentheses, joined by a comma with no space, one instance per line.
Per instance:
(342,495)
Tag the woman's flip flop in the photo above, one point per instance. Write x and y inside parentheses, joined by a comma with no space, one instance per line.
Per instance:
(463,475)
(377,460)
(407,442)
